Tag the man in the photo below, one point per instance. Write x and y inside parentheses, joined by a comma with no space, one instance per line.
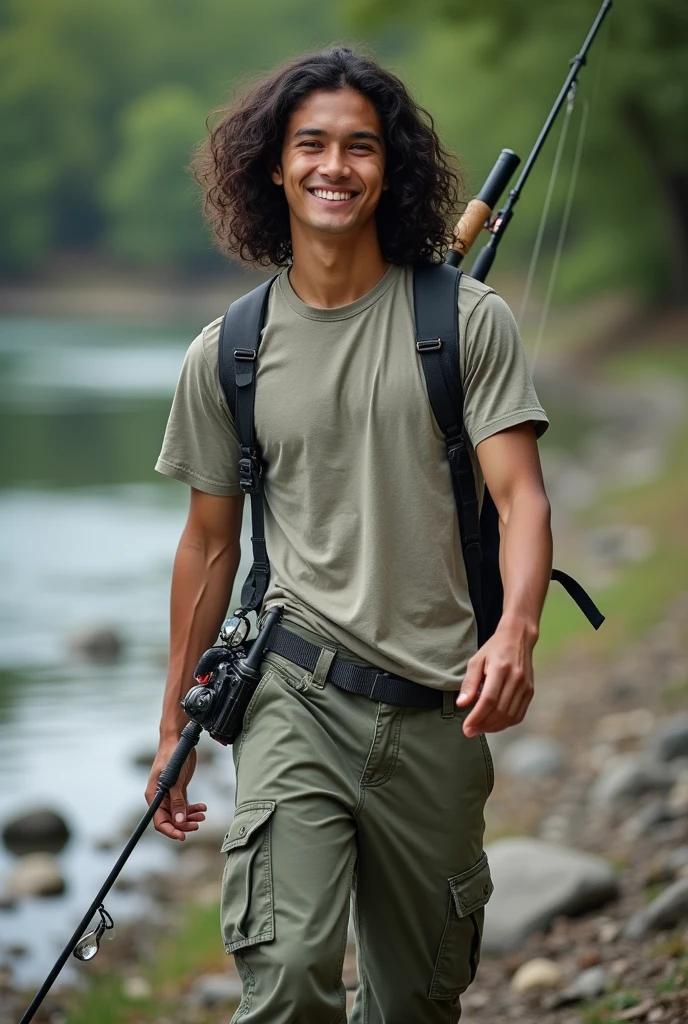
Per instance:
(328,168)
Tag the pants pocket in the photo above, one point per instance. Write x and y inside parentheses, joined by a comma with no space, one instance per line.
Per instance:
(459,952)
(489,765)
(246,905)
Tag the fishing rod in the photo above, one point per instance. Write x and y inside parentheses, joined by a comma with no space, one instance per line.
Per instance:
(477,214)
(226,676)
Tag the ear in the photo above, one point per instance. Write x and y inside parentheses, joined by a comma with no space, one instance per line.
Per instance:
(385,184)
(276,175)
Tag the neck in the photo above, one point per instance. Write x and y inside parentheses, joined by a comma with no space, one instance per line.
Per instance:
(334,272)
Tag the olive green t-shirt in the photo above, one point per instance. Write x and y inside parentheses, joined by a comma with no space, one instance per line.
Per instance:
(360,520)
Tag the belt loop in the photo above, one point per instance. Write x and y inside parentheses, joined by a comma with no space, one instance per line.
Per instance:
(448,705)
(322,666)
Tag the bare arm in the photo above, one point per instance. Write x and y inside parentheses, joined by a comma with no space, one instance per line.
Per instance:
(502,670)
(204,569)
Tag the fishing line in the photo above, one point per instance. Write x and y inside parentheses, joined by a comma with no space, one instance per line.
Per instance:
(588,108)
(546,205)
(582,130)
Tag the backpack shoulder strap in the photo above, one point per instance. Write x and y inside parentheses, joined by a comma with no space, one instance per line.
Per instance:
(436,315)
(240,334)
(242,324)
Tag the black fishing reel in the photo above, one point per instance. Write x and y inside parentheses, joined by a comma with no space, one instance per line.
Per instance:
(227,676)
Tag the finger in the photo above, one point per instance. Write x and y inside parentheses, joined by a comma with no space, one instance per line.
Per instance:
(475,673)
(523,706)
(495,722)
(171,831)
(178,805)
(510,695)
(486,705)
(192,808)
(163,822)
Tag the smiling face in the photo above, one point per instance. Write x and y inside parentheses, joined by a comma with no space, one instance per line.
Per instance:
(332,163)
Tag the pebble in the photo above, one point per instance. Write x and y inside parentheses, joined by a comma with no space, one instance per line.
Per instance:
(669,909)
(36,874)
(672,739)
(608,931)
(589,984)
(533,757)
(535,975)
(626,777)
(135,987)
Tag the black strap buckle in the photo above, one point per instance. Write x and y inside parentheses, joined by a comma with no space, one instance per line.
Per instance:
(249,476)
(433,345)
(246,354)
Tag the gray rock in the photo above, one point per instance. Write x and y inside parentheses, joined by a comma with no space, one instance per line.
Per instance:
(668,910)
(626,777)
(672,739)
(677,860)
(211,990)
(99,644)
(39,831)
(589,984)
(534,883)
(36,874)
(532,757)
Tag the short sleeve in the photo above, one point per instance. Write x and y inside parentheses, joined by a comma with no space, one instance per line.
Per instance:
(498,389)
(200,446)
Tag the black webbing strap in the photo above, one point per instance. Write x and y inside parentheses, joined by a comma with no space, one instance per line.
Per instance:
(366,682)
(240,334)
(580,596)
(436,311)
(435,304)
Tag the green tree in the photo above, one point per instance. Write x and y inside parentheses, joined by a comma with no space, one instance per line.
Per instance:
(152,205)
(490,72)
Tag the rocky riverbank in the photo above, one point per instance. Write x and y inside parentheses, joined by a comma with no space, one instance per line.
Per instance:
(588,827)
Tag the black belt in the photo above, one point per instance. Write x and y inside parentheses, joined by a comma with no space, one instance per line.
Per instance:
(367,682)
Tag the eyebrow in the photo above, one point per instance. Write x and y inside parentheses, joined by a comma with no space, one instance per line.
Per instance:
(360,134)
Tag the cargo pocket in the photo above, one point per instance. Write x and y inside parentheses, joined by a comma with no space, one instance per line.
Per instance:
(459,953)
(246,906)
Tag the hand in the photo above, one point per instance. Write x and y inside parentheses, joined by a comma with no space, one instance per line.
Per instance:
(500,675)
(174,817)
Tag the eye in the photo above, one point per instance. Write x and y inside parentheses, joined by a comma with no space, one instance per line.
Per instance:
(308,143)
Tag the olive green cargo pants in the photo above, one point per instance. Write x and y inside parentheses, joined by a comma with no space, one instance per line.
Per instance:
(338,795)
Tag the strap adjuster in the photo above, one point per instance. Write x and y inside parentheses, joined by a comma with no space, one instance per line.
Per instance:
(433,345)
(248,354)
(248,475)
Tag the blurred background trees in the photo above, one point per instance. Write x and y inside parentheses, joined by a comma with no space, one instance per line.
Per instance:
(101,105)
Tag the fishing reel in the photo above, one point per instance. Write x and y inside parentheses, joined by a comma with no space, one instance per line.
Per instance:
(226,678)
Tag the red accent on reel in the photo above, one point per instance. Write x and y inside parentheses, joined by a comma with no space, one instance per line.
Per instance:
(204,680)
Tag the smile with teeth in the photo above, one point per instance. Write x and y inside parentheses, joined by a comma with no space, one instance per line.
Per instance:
(337,197)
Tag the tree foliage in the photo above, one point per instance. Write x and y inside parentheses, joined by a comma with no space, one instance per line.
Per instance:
(102,103)
(491,71)
(92,153)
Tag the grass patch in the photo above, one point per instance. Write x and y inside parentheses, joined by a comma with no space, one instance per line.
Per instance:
(607,1010)
(640,592)
(193,949)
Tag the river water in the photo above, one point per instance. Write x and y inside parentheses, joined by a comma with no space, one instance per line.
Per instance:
(87,537)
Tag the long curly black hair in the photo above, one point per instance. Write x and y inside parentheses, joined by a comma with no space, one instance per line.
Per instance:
(249,213)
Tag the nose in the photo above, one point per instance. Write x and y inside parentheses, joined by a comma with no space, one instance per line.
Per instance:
(333,164)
